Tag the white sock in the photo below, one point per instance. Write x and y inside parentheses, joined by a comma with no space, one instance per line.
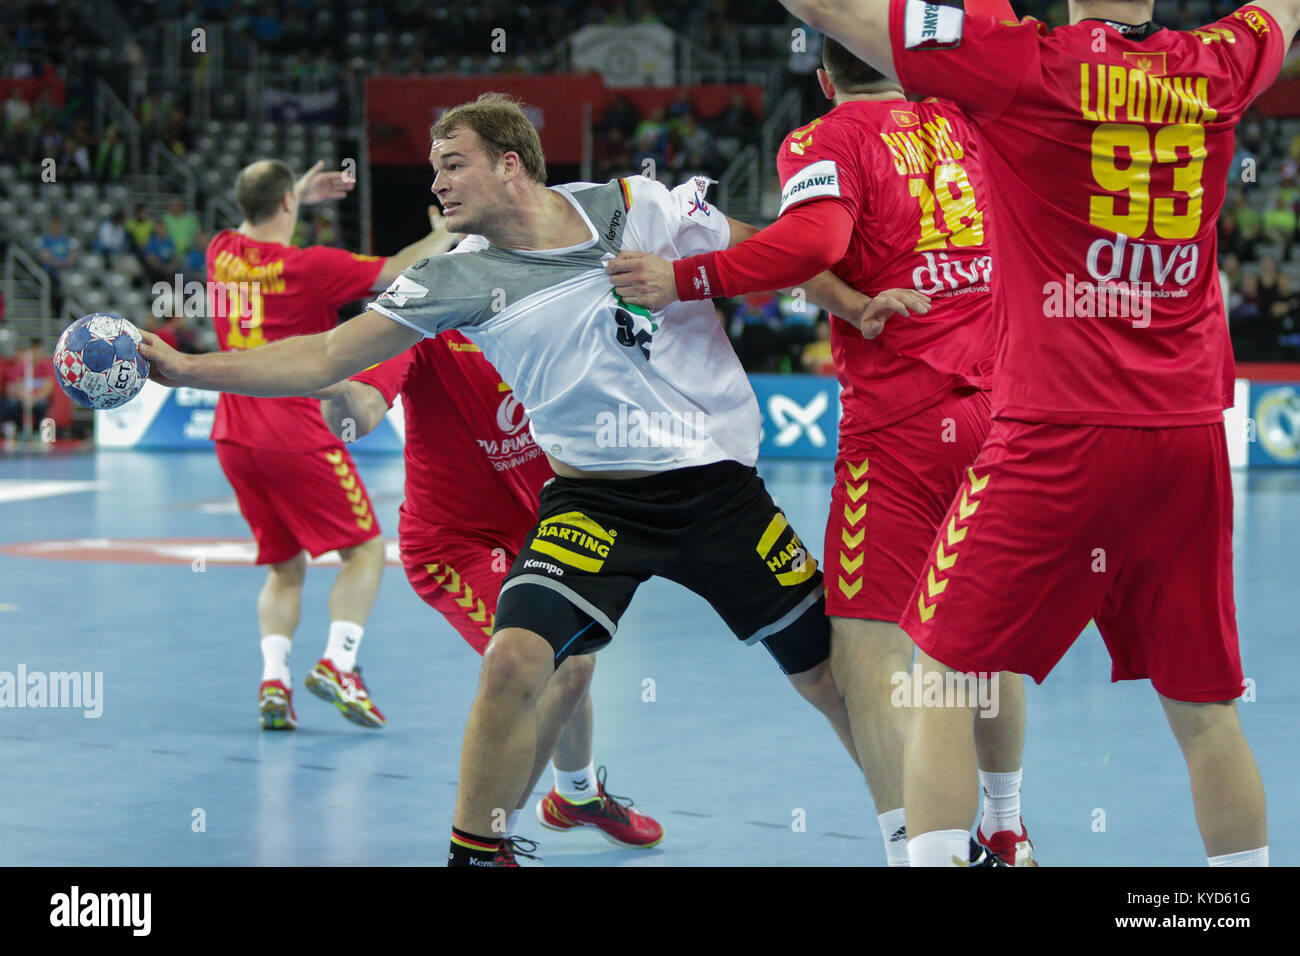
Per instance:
(892,828)
(1244,858)
(511,828)
(939,848)
(345,638)
(275,658)
(1001,802)
(577,786)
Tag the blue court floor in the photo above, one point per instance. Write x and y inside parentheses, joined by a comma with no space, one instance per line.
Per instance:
(175,771)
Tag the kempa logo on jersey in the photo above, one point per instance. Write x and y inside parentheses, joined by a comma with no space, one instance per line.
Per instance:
(574,539)
(635,428)
(941,273)
(613,225)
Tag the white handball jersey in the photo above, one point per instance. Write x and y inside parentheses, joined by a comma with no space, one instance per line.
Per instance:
(608,386)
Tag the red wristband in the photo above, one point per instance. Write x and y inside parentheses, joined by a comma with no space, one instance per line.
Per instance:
(697,277)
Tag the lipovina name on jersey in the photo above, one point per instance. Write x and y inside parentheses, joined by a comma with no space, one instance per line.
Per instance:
(607,385)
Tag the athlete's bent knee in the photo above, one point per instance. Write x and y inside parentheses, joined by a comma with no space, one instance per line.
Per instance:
(516,664)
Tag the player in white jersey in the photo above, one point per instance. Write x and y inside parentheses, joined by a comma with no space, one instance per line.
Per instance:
(648,419)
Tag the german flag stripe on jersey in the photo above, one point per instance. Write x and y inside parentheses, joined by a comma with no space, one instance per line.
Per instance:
(627,194)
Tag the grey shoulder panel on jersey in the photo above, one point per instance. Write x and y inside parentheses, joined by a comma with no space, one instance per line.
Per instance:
(467,290)
(607,211)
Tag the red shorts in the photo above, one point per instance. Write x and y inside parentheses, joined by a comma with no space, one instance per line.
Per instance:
(295,501)
(1057,524)
(878,537)
(459,577)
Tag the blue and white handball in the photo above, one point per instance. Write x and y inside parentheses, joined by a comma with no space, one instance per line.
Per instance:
(98,361)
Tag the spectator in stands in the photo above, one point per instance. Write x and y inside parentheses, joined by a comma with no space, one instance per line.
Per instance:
(175,131)
(17,110)
(1268,284)
(622,115)
(195,261)
(153,111)
(1250,224)
(110,158)
(74,160)
(1286,303)
(56,252)
(110,238)
(325,230)
(139,228)
(737,120)
(1280,224)
(160,262)
(114,243)
(1245,301)
(28,386)
(1288,189)
(182,225)
(756,331)
(816,358)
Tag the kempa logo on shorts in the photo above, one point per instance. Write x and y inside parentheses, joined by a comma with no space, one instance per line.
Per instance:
(544,566)
(82,689)
(75,909)
(946,690)
(574,539)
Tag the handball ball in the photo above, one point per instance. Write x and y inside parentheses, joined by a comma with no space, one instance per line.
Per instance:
(98,361)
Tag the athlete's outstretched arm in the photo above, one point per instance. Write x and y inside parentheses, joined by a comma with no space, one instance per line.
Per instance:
(1285,12)
(362,404)
(293,366)
(861,25)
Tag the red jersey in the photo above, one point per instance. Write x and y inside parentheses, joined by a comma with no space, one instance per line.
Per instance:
(910,176)
(471,463)
(269,292)
(1107,154)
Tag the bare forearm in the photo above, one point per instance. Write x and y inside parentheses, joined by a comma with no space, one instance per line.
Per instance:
(829,292)
(292,366)
(362,405)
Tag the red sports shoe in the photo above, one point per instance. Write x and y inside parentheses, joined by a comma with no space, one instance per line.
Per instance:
(1014,849)
(346,691)
(275,706)
(512,847)
(611,815)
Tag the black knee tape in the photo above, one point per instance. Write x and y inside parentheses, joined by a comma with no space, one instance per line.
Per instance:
(543,611)
(805,643)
